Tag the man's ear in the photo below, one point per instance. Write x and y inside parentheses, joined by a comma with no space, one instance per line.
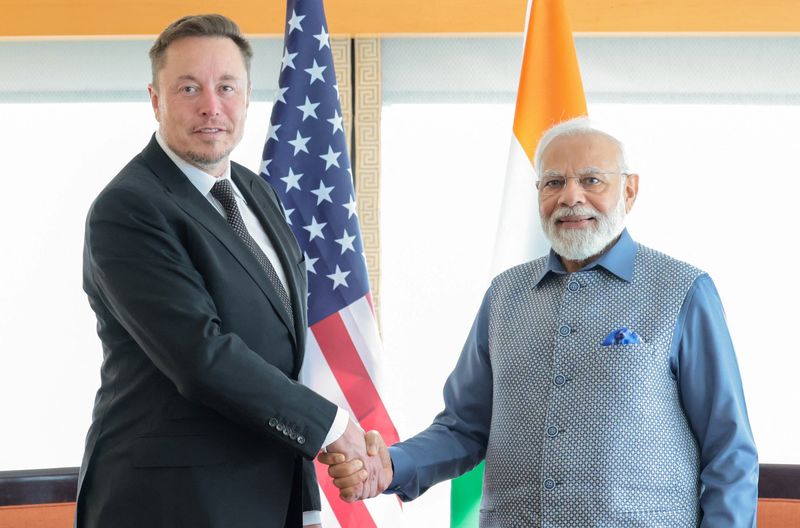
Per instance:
(153,93)
(631,190)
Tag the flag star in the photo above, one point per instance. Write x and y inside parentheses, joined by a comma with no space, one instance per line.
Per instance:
(288,60)
(315,229)
(299,143)
(339,278)
(279,95)
(324,38)
(294,22)
(331,158)
(292,182)
(351,207)
(323,193)
(264,164)
(336,87)
(272,132)
(315,71)
(310,262)
(336,121)
(288,213)
(309,109)
(346,242)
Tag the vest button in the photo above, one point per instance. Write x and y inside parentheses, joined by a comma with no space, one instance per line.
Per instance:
(573,286)
(564,330)
(559,380)
(549,484)
(552,431)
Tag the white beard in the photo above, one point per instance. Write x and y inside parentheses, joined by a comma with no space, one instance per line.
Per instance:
(582,244)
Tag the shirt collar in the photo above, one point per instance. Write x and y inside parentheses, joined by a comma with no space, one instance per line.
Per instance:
(203,181)
(618,260)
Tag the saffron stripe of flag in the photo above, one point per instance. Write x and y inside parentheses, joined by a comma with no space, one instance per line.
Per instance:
(305,160)
(550,91)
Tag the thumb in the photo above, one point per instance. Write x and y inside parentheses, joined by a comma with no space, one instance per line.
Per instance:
(374,443)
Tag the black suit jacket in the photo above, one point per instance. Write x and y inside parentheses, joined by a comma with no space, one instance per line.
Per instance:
(199,420)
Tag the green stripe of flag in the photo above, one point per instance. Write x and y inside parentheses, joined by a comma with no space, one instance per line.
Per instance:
(465,499)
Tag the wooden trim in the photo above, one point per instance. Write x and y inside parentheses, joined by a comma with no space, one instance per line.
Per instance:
(38,486)
(41,18)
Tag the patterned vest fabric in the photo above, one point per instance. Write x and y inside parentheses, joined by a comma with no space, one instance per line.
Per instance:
(582,434)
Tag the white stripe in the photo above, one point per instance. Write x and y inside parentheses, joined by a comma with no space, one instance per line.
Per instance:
(519,233)
(359,322)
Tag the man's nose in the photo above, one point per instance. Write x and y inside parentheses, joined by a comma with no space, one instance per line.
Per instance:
(209,104)
(572,194)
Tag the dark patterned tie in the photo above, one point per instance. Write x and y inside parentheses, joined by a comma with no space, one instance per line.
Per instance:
(223,192)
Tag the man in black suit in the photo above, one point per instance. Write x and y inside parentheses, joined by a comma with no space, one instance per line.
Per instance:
(200,294)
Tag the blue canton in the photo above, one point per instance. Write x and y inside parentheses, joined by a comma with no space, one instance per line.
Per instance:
(306,161)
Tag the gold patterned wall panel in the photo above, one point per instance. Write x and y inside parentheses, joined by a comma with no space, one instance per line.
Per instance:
(367,162)
(342,49)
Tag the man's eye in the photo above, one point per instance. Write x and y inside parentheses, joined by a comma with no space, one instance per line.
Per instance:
(227,88)
(554,183)
(591,181)
(189,89)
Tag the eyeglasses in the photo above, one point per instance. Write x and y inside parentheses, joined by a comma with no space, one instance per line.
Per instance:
(590,180)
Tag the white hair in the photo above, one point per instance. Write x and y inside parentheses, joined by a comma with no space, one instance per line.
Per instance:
(577,126)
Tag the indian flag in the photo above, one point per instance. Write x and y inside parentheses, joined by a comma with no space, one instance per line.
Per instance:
(550,91)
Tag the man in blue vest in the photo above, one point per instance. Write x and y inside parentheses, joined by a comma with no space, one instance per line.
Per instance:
(599,382)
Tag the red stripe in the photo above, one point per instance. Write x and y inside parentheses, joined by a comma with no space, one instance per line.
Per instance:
(369,301)
(352,377)
(355,515)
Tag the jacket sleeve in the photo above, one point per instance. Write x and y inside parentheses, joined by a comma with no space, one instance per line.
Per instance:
(139,269)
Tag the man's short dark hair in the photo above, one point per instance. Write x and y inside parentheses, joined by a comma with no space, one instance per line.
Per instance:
(211,25)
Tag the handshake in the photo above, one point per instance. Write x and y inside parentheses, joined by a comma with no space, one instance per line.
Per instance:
(358,463)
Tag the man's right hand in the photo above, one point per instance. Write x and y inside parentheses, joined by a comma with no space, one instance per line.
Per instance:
(359,478)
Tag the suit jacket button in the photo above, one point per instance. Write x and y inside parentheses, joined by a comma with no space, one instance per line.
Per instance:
(285,431)
(301,439)
(293,435)
(279,427)
(273,422)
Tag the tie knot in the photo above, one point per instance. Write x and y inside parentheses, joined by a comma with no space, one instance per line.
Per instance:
(222,190)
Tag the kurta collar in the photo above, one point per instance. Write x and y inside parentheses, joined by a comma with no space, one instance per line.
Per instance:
(618,260)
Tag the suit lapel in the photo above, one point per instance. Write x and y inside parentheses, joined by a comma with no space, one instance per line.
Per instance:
(178,186)
(273,220)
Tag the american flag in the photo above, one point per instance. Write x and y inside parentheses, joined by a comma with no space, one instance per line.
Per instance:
(305,159)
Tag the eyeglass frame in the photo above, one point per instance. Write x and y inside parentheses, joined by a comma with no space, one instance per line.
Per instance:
(591,172)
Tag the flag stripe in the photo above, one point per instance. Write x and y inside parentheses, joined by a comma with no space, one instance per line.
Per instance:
(360,324)
(345,362)
(550,87)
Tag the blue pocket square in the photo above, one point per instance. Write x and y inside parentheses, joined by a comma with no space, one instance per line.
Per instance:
(622,336)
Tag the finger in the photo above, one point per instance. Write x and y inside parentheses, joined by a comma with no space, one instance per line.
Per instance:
(351,494)
(351,481)
(345,469)
(331,458)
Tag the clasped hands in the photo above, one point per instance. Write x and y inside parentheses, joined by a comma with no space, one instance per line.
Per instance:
(358,463)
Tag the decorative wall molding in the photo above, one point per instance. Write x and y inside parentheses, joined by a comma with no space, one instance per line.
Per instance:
(367,161)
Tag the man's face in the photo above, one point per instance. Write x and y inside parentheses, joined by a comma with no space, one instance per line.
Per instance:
(581,221)
(201,100)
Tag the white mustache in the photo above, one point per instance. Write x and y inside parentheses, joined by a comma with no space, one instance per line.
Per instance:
(578,210)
